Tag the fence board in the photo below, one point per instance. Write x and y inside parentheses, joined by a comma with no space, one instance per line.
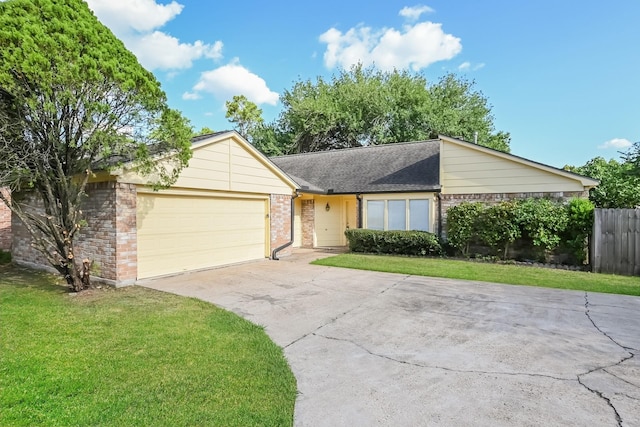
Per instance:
(615,244)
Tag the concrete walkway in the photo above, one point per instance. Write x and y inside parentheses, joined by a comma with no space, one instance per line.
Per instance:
(378,349)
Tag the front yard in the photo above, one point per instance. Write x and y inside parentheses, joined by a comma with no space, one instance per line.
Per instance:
(487,272)
(132,356)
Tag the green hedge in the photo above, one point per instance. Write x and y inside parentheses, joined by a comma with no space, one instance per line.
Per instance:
(417,243)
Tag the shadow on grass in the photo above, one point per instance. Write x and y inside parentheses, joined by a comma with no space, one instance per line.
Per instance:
(23,277)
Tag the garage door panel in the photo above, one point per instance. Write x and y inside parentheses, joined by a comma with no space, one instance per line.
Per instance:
(179,233)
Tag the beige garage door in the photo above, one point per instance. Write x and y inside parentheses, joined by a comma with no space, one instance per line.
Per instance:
(181,233)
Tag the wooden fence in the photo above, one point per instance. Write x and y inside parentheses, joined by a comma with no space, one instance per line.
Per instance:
(615,244)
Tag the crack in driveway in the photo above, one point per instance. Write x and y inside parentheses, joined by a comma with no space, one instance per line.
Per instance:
(603,368)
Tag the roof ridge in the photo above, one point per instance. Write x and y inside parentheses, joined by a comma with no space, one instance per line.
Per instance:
(389,144)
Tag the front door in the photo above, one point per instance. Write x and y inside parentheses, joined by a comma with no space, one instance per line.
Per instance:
(328,222)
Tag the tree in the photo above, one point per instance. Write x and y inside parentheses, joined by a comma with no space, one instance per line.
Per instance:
(245,114)
(632,157)
(619,186)
(73,100)
(203,131)
(365,106)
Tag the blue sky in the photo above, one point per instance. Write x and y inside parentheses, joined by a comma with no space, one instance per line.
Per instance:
(563,77)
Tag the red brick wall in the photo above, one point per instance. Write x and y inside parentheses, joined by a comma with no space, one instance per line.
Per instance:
(5,223)
(307,217)
(280,222)
(109,239)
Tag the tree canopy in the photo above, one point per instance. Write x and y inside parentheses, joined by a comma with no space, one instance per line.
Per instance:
(619,184)
(365,106)
(244,114)
(73,99)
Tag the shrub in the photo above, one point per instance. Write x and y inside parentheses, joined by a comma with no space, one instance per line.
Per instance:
(462,225)
(5,257)
(498,226)
(542,221)
(417,243)
(579,226)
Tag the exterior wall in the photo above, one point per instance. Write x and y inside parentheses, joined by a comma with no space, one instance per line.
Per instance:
(226,165)
(109,240)
(280,222)
(466,170)
(450,200)
(297,228)
(5,223)
(308,222)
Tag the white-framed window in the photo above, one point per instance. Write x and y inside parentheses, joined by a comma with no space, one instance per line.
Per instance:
(398,214)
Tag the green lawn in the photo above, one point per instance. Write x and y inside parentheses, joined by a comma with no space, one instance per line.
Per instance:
(487,272)
(132,357)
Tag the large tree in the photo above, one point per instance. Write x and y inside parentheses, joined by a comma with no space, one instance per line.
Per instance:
(619,184)
(73,100)
(366,106)
(244,114)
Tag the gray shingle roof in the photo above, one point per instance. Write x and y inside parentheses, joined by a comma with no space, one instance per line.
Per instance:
(400,167)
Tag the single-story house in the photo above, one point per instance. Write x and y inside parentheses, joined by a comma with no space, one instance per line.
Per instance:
(232,204)
(410,186)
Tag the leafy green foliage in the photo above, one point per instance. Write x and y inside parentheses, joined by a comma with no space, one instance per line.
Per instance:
(542,221)
(416,243)
(498,226)
(632,157)
(579,227)
(462,225)
(365,106)
(245,114)
(73,99)
(619,182)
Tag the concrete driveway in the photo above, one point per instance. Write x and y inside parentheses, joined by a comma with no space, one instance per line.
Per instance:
(373,349)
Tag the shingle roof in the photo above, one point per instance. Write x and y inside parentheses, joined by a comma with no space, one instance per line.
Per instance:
(410,166)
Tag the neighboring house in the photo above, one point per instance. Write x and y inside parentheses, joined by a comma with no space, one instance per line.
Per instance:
(410,186)
(231,204)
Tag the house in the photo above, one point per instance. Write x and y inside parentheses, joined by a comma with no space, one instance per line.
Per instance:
(410,186)
(232,204)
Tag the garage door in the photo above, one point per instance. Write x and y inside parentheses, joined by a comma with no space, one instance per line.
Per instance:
(181,233)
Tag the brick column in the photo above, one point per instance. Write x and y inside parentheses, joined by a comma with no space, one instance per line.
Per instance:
(308,223)
(280,222)
(5,222)
(126,230)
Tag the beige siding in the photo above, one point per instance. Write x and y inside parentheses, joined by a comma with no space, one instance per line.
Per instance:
(465,170)
(182,233)
(226,165)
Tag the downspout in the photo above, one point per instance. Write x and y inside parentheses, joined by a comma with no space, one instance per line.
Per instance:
(274,253)
(439,195)
(359,199)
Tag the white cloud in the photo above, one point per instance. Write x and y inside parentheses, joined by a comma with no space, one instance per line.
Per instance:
(467,66)
(414,13)
(135,22)
(617,143)
(415,46)
(233,79)
(190,96)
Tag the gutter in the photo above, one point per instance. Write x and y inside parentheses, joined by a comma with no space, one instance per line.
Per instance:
(274,253)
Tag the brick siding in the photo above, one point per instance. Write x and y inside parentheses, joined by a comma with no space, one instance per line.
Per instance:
(5,223)
(280,222)
(307,217)
(109,239)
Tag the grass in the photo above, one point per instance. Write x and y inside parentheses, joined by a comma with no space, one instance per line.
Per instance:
(132,357)
(486,272)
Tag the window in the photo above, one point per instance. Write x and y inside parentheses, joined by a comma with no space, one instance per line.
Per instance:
(403,214)
(375,214)
(419,215)
(397,215)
